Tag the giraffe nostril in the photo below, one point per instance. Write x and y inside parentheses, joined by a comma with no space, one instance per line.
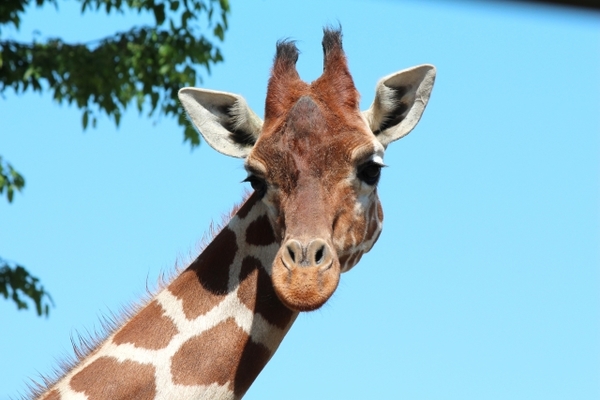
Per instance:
(292,254)
(319,255)
(316,254)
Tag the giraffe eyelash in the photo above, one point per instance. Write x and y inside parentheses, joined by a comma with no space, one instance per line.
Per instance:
(370,172)
(258,184)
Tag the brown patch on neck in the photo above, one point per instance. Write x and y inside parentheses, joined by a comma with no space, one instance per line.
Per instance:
(204,284)
(257,293)
(53,395)
(223,355)
(149,329)
(260,232)
(107,378)
(248,205)
(254,358)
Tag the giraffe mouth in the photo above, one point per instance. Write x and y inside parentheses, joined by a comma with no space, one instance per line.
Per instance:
(305,275)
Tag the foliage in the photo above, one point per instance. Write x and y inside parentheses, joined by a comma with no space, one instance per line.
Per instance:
(16,280)
(145,66)
(10,180)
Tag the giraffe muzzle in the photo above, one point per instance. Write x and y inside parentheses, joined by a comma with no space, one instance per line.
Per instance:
(305,275)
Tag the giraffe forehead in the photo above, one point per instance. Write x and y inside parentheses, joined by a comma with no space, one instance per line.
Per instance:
(305,120)
(313,140)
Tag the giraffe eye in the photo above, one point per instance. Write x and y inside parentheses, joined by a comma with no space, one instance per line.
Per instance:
(369,173)
(258,184)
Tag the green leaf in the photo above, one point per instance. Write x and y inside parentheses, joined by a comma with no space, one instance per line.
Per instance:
(164,69)
(165,50)
(84,120)
(28,73)
(154,99)
(219,32)
(159,13)
(192,136)
(10,180)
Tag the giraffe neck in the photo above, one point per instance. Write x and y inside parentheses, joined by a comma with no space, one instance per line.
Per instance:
(207,335)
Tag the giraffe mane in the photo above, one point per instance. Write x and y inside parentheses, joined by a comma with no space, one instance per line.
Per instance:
(85,343)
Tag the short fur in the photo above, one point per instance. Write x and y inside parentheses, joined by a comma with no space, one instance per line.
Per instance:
(315,164)
(85,343)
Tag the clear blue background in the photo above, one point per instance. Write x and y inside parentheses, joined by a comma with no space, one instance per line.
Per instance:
(486,281)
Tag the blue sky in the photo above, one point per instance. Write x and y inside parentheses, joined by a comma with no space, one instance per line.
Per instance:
(485,283)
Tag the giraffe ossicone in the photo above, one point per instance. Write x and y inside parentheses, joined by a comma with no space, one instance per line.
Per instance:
(314,164)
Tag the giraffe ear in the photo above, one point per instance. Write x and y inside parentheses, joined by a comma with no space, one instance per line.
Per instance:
(224,119)
(400,100)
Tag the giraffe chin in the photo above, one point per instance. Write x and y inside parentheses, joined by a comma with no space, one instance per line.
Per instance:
(303,288)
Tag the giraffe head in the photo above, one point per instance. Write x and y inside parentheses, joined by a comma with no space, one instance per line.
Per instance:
(315,161)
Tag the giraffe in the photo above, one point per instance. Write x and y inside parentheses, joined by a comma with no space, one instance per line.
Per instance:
(313,164)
